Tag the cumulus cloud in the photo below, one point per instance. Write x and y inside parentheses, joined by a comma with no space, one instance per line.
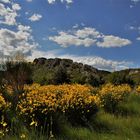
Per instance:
(65,40)
(87,32)
(20,40)
(16,7)
(14,39)
(113,41)
(5,1)
(88,37)
(9,14)
(35,17)
(53,1)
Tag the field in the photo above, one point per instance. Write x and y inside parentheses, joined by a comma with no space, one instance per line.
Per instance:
(72,112)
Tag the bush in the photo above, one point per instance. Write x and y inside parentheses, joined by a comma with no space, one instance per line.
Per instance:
(118,78)
(112,95)
(3,123)
(42,102)
(138,90)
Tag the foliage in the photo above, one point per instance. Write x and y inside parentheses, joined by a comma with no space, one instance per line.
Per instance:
(112,95)
(59,71)
(40,107)
(3,124)
(72,100)
(61,76)
(2,103)
(17,74)
(118,78)
(138,89)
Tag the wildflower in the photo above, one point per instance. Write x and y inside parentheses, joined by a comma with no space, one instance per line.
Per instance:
(4,124)
(22,136)
(33,123)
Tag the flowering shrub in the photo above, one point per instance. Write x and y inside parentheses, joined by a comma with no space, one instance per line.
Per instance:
(3,124)
(2,103)
(78,103)
(138,89)
(112,95)
(72,100)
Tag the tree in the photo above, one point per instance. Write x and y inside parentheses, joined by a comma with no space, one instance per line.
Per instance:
(118,78)
(17,74)
(93,80)
(61,76)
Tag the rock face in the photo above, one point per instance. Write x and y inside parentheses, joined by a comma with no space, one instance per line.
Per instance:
(39,61)
(67,63)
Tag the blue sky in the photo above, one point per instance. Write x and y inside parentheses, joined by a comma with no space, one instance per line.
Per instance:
(101,33)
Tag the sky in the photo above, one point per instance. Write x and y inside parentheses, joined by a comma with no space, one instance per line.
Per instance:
(102,33)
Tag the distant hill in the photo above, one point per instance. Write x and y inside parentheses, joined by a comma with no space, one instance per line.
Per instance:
(130,74)
(75,72)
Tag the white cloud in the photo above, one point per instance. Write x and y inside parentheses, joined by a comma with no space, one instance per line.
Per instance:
(16,7)
(138,38)
(51,1)
(75,26)
(136,28)
(35,17)
(62,1)
(135,1)
(87,32)
(68,1)
(88,37)
(5,1)
(131,6)
(14,39)
(132,27)
(8,15)
(24,28)
(20,40)
(29,0)
(65,40)
(113,41)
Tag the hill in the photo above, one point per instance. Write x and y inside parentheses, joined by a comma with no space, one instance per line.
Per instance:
(54,71)
(131,76)
(58,71)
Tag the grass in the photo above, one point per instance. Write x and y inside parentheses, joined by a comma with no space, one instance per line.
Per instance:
(123,126)
(104,126)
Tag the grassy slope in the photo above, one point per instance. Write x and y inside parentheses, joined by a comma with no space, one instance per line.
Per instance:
(109,127)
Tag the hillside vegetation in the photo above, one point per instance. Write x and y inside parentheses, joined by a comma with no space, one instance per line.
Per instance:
(49,71)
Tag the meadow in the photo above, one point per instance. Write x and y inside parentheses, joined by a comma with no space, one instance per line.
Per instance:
(70,112)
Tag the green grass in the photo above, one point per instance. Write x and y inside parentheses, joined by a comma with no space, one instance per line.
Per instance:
(123,126)
(104,126)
